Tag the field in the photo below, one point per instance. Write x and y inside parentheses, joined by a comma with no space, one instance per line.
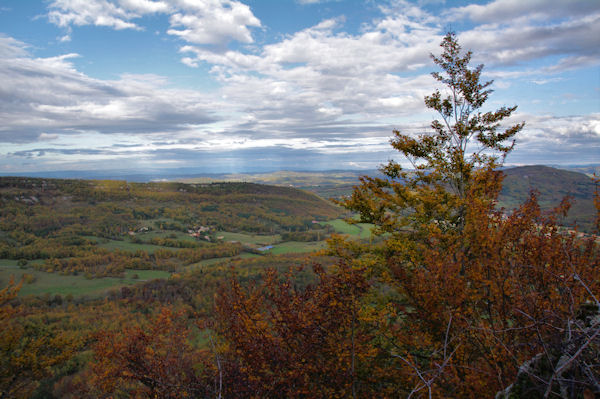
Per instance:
(359,230)
(43,283)
(129,246)
(54,283)
(297,247)
(249,239)
(71,223)
(214,261)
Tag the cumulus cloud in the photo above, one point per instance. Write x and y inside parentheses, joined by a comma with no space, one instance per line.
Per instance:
(211,22)
(309,81)
(41,97)
(65,13)
(324,81)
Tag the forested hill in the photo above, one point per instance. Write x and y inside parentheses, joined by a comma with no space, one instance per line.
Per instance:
(231,206)
(552,185)
(102,228)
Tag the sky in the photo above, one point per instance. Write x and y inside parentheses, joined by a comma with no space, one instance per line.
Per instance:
(262,85)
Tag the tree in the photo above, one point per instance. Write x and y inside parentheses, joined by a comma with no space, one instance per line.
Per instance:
(435,192)
(155,362)
(29,349)
(471,293)
(504,291)
(286,341)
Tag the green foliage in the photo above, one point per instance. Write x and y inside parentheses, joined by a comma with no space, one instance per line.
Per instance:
(361,230)
(297,247)
(466,139)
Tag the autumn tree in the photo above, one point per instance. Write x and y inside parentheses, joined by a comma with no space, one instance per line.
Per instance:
(470,294)
(158,361)
(464,140)
(29,349)
(519,289)
(294,342)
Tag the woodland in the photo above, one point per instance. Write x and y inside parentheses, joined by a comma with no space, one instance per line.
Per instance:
(450,296)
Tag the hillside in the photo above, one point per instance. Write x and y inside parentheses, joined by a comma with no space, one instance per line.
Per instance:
(553,185)
(102,228)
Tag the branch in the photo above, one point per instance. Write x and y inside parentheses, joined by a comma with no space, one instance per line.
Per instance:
(559,371)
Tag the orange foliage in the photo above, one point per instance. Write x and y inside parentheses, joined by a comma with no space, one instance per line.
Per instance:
(497,294)
(154,362)
(290,342)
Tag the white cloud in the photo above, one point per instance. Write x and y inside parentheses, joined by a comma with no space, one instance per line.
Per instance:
(213,22)
(546,81)
(47,137)
(45,96)
(557,139)
(502,11)
(66,13)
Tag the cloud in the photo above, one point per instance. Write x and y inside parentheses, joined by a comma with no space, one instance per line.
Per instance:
(321,80)
(497,45)
(213,22)
(502,11)
(558,139)
(546,81)
(41,97)
(207,22)
(66,13)
(318,92)
(47,137)
(531,30)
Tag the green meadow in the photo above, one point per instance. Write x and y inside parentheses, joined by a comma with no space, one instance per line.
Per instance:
(296,247)
(249,239)
(359,230)
(55,283)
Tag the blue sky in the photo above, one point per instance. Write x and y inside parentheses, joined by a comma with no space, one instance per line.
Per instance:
(259,85)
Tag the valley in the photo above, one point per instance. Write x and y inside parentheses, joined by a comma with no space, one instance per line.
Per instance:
(77,237)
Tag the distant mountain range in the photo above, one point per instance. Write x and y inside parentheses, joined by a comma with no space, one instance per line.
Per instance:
(552,185)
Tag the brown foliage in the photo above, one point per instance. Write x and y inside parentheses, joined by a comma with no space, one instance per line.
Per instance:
(499,293)
(154,362)
(284,341)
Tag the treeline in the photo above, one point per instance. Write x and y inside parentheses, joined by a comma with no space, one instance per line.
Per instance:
(106,263)
(222,205)
(317,234)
